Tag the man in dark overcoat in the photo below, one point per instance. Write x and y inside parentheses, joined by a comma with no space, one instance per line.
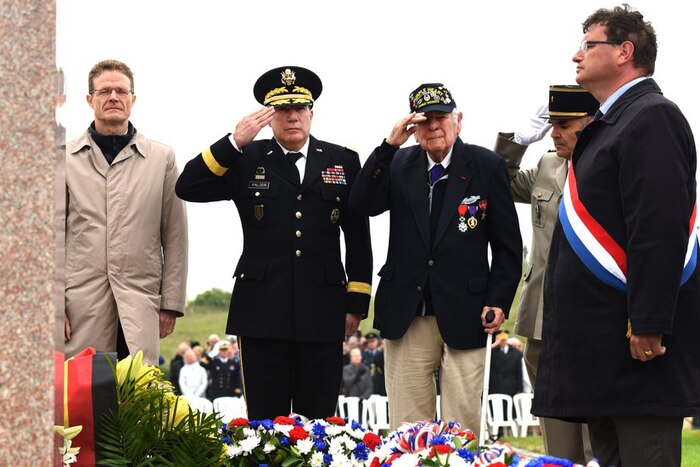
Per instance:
(622,294)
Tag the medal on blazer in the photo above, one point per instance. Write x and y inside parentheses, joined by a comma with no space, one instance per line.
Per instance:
(472,222)
(335,215)
(482,205)
(260,173)
(462,211)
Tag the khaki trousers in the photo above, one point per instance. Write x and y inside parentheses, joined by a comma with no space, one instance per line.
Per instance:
(410,364)
(561,439)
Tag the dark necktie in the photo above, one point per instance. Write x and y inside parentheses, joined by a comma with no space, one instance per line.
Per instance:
(293,157)
(436,173)
(598,114)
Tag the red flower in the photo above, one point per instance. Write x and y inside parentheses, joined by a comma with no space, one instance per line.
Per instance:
(371,440)
(440,449)
(443,448)
(375,462)
(284,421)
(498,464)
(336,421)
(238,422)
(471,436)
(297,434)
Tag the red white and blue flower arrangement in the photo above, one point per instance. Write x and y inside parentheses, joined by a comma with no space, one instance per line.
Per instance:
(335,442)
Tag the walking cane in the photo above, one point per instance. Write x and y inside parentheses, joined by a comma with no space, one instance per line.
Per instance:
(483,428)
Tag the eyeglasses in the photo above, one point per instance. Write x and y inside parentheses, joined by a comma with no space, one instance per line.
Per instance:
(585,45)
(121,92)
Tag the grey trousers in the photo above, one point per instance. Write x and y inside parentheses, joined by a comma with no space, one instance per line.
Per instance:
(637,441)
(561,439)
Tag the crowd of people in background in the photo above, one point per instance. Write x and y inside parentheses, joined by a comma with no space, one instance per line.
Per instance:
(213,369)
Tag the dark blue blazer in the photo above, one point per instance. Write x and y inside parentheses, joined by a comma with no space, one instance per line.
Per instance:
(463,277)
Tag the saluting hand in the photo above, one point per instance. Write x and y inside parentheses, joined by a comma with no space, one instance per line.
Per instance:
(404,128)
(248,128)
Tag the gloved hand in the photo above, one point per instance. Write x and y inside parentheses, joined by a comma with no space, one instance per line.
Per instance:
(536,129)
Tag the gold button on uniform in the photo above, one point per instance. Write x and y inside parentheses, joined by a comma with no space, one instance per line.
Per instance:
(298,233)
(242,275)
(298,215)
(257,193)
(298,253)
(299,197)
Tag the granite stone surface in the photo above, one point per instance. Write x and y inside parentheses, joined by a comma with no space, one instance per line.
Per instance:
(28,156)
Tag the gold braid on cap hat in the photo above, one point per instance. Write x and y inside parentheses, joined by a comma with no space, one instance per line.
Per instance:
(297,95)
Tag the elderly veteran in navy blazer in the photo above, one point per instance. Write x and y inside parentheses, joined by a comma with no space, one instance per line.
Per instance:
(292,302)
(448,201)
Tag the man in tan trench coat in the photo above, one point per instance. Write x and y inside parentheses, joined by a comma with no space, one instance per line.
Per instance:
(126,231)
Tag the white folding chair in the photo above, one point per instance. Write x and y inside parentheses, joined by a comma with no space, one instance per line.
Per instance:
(438,411)
(523,406)
(375,413)
(349,407)
(230,408)
(500,414)
(199,403)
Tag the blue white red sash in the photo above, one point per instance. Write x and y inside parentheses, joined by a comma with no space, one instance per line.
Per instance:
(597,249)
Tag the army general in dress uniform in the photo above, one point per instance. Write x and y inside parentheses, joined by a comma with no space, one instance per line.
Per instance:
(293,299)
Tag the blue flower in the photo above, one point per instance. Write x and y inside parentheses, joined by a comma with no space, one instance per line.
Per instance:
(254,424)
(357,425)
(441,439)
(268,424)
(226,439)
(327,459)
(319,430)
(284,441)
(466,454)
(360,452)
(263,465)
(320,445)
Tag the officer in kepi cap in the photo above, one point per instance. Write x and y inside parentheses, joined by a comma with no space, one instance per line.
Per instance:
(292,303)
(569,110)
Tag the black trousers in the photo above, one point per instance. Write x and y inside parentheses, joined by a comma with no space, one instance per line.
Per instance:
(636,441)
(285,376)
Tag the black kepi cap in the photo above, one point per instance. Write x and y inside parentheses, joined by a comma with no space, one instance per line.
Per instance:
(288,86)
(431,97)
(570,101)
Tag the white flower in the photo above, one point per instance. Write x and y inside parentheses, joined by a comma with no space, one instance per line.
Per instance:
(305,445)
(348,441)
(268,448)
(334,430)
(248,444)
(456,461)
(407,460)
(233,451)
(335,446)
(284,429)
(316,459)
(341,461)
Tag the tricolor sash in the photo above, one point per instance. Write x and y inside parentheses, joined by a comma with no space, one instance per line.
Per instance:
(597,249)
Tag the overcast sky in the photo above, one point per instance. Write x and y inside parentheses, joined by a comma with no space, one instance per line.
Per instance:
(195,64)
